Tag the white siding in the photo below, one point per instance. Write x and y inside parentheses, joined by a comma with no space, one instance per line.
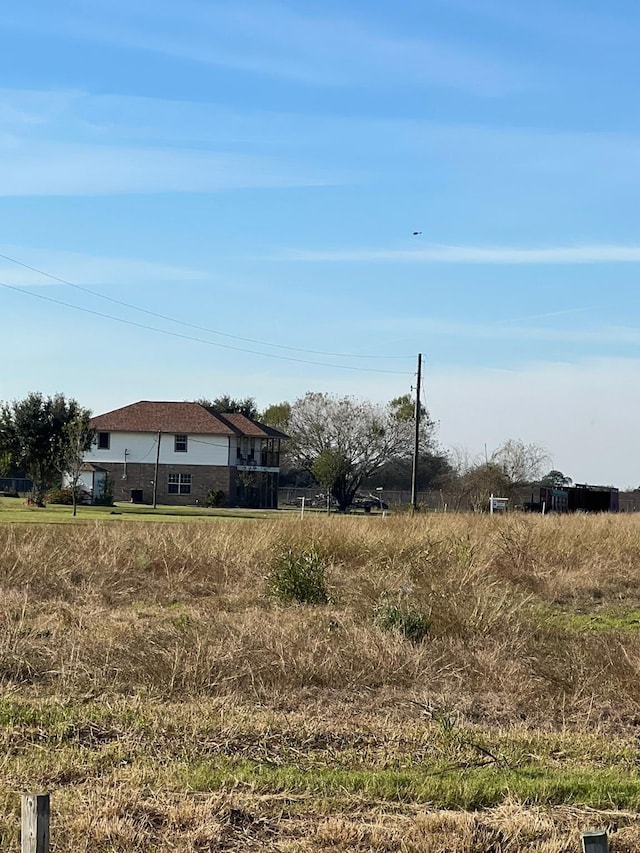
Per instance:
(86,482)
(142,447)
(91,482)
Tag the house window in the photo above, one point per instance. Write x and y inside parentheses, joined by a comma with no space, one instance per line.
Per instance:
(104,440)
(180,444)
(179,484)
(246,451)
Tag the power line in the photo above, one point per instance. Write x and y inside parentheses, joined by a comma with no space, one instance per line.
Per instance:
(189,325)
(193,338)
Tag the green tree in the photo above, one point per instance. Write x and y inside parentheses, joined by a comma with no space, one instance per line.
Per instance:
(230,405)
(348,439)
(277,416)
(404,408)
(556,480)
(5,463)
(330,469)
(434,468)
(32,434)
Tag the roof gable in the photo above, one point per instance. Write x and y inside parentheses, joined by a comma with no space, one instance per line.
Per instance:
(249,427)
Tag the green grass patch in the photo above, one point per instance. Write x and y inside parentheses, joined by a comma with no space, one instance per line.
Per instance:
(410,623)
(14,510)
(594,620)
(57,721)
(438,786)
(208,748)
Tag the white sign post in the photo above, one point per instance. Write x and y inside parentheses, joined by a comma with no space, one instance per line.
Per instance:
(499,504)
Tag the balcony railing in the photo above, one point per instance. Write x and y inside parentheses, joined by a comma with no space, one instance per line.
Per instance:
(263,460)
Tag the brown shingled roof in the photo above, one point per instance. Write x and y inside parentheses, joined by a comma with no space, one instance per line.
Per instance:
(187,418)
(89,466)
(247,426)
(149,416)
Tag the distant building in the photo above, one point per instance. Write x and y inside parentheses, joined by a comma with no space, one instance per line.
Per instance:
(576,498)
(196,453)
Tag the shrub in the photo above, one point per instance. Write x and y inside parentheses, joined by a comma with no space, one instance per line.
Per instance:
(214,497)
(413,624)
(65,496)
(299,576)
(105,497)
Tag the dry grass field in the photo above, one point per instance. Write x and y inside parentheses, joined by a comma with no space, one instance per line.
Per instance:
(464,683)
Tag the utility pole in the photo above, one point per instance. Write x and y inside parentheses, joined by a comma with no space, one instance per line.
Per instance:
(155,473)
(416,440)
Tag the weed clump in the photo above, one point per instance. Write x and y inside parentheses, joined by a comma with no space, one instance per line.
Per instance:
(299,577)
(412,624)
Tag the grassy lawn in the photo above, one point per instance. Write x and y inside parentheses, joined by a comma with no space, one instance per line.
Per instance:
(151,682)
(15,510)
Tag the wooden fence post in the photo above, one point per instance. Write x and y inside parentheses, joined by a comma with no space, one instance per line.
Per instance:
(35,823)
(595,842)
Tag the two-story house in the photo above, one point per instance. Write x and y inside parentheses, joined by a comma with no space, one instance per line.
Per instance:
(191,451)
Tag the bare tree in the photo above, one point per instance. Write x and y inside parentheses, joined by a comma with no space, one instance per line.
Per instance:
(508,468)
(344,440)
(77,437)
(521,463)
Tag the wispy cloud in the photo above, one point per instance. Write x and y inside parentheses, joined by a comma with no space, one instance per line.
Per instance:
(41,169)
(72,143)
(281,40)
(87,269)
(438,254)
(161,143)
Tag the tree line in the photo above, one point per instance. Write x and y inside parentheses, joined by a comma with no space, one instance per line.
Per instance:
(340,443)
(344,444)
(46,438)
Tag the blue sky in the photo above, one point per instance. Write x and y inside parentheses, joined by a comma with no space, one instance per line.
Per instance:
(254,172)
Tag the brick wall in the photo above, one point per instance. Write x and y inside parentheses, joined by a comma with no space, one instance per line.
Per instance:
(140,476)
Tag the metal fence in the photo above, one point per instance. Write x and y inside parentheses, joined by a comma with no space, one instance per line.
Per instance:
(15,485)
(629,501)
(436,501)
(316,498)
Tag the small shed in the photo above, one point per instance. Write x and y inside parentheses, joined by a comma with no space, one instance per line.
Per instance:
(93,480)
